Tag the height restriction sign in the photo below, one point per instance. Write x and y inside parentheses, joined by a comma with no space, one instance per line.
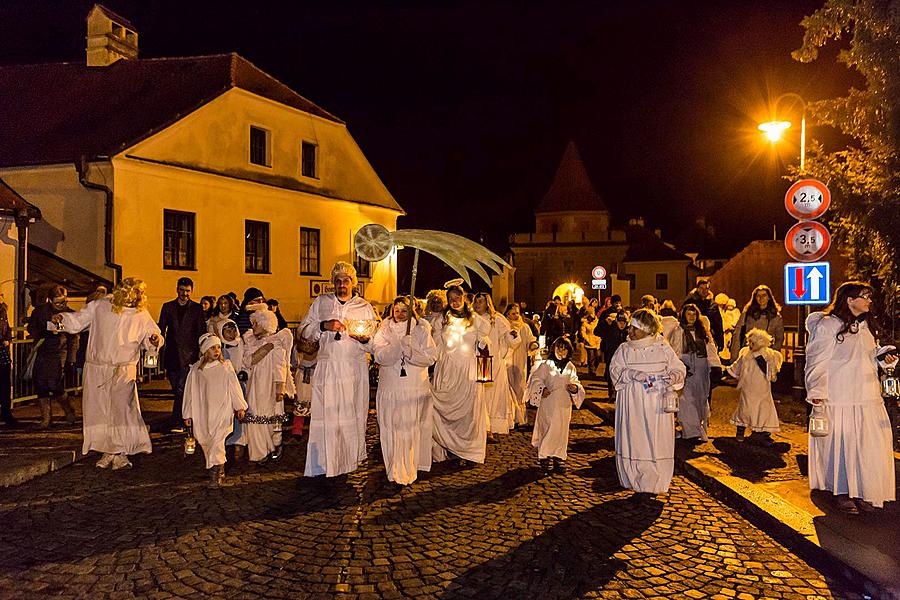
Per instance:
(807,241)
(807,199)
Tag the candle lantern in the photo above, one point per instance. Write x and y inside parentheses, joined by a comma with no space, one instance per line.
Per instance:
(190,443)
(361,327)
(670,401)
(818,422)
(484,366)
(151,358)
(890,384)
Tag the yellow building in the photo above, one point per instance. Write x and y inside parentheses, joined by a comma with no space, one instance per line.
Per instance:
(204,167)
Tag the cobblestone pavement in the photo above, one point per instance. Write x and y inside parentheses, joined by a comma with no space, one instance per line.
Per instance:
(496,531)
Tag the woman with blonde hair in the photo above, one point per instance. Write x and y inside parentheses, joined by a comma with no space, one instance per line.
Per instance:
(645,371)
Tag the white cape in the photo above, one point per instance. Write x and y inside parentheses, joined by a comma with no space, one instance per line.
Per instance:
(551,424)
(211,397)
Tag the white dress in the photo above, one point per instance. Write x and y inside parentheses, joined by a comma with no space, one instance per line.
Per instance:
(645,433)
(498,394)
(340,389)
(856,458)
(234,353)
(112,413)
(756,407)
(460,415)
(551,424)
(516,372)
(404,401)
(693,408)
(211,397)
(264,377)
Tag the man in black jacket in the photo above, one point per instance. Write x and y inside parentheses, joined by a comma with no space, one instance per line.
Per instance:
(703,297)
(181,322)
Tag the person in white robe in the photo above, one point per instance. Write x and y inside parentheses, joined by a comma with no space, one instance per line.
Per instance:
(460,413)
(340,393)
(644,370)
(212,399)
(263,361)
(517,364)
(755,369)
(855,461)
(120,328)
(553,387)
(232,351)
(498,395)
(403,399)
(435,305)
(693,342)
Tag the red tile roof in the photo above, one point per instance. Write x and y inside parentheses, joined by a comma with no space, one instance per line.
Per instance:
(571,189)
(55,113)
(11,203)
(115,17)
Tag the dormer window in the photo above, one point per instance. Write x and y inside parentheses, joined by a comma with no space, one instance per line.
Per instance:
(260,147)
(308,159)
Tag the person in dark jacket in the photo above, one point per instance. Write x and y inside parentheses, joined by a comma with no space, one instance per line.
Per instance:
(181,322)
(552,326)
(55,354)
(703,298)
(614,336)
(255,299)
(272,303)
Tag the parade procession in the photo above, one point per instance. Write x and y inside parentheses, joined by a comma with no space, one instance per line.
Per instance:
(561,301)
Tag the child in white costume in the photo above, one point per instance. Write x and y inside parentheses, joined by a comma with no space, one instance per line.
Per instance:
(404,393)
(263,360)
(554,387)
(643,370)
(756,368)
(212,398)
(232,351)
(517,364)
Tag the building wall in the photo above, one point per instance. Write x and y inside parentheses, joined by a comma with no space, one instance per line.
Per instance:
(596,222)
(645,279)
(73,216)
(9,239)
(221,205)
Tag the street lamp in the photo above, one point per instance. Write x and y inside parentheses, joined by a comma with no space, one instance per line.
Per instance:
(774,131)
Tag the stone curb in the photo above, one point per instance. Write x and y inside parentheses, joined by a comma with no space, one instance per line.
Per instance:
(48,464)
(787,524)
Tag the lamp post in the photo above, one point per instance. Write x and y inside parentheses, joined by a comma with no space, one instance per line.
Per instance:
(774,132)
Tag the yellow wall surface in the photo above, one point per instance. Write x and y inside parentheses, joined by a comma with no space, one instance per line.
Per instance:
(645,280)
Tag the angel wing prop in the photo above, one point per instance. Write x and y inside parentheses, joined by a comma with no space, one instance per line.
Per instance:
(374,242)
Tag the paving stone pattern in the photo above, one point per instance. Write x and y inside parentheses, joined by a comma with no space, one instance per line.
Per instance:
(495,531)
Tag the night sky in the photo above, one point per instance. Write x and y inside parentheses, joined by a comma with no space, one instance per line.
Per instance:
(465,109)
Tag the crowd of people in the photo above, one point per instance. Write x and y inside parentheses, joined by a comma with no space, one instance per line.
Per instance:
(454,374)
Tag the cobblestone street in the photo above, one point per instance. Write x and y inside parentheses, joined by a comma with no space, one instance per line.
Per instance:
(496,531)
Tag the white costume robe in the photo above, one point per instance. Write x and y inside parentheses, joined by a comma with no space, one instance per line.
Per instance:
(645,433)
(856,457)
(551,424)
(111,412)
(756,408)
(340,392)
(404,403)
(693,408)
(517,369)
(211,397)
(264,377)
(498,394)
(460,415)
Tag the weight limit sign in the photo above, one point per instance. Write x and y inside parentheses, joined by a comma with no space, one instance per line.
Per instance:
(807,241)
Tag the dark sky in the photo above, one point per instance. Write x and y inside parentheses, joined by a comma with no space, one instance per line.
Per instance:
(464,109)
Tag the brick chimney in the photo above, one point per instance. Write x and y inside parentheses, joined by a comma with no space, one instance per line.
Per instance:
(109,38)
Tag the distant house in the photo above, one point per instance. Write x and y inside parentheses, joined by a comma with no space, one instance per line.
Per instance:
(204,167)
(573,235)
(700,242)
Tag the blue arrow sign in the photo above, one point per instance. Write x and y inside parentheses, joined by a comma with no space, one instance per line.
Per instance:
(807,283)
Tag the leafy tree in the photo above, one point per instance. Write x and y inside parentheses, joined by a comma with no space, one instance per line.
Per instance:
(864,177)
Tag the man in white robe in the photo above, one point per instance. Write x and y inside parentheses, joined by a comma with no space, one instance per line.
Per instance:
(263,360)
(340,395)
(120,328)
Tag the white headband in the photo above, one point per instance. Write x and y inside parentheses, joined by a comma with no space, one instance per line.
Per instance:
(638,325)
(207,341)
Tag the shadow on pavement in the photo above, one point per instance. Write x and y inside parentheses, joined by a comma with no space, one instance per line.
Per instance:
(749,460)
(592,445)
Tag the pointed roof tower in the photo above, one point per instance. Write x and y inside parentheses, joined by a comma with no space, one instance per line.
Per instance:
(571,189)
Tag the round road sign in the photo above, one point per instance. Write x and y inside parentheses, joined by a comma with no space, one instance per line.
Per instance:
(807,199)
(598,272)
(807,241)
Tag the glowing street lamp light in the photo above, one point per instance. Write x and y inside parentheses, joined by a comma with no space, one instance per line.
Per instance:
(774,130)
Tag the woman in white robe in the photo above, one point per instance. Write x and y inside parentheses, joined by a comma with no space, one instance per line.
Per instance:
(460,414)
(263,361)
(498,393)
(120,328)
(403,399)
(517,364)
(755,369)
(643,370)
(693,342)
(340,393)
(855,460)
(212,398)
(553,387)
